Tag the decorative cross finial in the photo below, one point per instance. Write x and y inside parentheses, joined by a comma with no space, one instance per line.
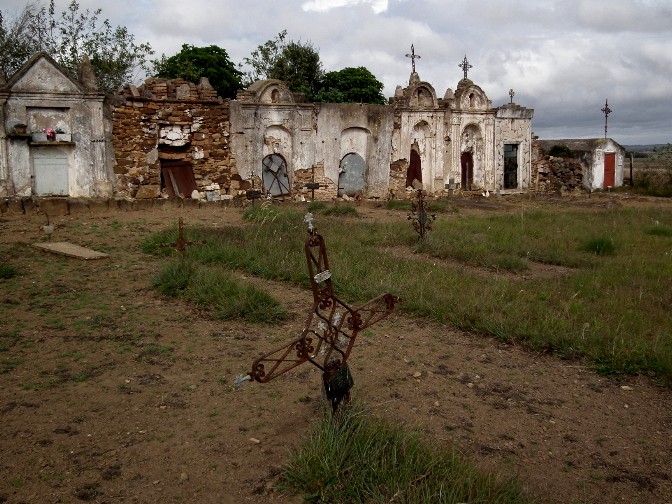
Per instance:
(465,66)
(511,94)
(606,111)
(413,57)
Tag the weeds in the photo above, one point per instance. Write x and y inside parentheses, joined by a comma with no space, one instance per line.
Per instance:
(217,292)
(600,246)
(571,314)
(354,458)
(7,271)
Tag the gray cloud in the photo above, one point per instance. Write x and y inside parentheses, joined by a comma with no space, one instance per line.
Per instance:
(562,57)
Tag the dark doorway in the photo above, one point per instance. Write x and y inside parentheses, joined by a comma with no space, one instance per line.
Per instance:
(177,176)
(510,166)
(274,175)
(351,177)
(609,170)
(414,171)
(467,162)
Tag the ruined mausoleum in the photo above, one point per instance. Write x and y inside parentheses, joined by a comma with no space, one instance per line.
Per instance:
(173,138)
(599,163)
(53,140)
(377,151)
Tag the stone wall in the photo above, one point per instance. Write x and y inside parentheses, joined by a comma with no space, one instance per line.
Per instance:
(557,175)
(166,121)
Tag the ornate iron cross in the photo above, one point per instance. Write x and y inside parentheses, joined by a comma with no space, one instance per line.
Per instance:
(413,57)
(606,111)
(511,94)
(420,216)
(465,66)
(329,332)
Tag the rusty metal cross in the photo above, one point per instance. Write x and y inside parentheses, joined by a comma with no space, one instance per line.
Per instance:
(465,66)
(181,243)
(329,332)
(413,57)
(606,111)
(420,216)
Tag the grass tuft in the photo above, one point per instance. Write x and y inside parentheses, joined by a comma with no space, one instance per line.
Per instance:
(341,211)
(218,293)
(7,271)
(600,246)
(354,458)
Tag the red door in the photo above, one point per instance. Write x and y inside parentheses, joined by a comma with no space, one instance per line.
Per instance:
(609,170)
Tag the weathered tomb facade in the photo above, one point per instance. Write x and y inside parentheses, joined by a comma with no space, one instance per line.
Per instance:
(376,151)
(171,139)
(53,140)
(593,164)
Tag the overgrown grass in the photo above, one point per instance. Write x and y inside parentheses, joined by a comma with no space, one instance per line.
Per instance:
(218,292)
(613,309)
(355,458)
(7,271)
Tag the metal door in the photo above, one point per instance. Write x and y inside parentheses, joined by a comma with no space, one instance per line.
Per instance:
(510,166)
(609,170)
(351,175)
(50,168)
(274,175)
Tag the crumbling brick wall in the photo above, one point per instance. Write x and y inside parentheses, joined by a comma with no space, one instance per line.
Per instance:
(171,120)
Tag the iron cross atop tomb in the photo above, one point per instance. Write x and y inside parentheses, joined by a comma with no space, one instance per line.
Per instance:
(465,66)
(329,332)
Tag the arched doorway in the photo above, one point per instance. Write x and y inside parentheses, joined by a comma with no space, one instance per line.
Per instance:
(351,175)
(414,171)
(274,175)
(467,163)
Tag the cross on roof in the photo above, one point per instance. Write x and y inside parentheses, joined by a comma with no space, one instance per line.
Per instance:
(465,66)
(413,57)
(606,111)
(511,94)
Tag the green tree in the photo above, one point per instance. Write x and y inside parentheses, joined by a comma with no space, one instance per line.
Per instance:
(14,50)
(262,59)
(350,85)
(299,66)
(192,63)
(70,35)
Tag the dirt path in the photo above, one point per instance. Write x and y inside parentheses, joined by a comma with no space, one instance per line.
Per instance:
(109,393)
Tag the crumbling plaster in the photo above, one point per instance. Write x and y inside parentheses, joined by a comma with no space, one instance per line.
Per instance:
(40,95)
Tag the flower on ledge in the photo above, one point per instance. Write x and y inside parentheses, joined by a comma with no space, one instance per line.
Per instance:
(51,134)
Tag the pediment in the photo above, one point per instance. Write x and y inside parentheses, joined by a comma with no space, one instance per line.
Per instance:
(41,74)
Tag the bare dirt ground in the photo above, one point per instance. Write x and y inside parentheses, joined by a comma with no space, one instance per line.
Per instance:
(110,393)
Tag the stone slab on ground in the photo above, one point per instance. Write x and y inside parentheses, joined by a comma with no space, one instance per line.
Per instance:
(70,250)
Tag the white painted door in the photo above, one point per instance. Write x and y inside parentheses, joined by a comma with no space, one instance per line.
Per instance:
(50,168)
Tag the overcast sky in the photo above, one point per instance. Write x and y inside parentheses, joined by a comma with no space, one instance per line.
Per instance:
(563,58)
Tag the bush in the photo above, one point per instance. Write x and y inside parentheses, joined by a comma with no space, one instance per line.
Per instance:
(561,151)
